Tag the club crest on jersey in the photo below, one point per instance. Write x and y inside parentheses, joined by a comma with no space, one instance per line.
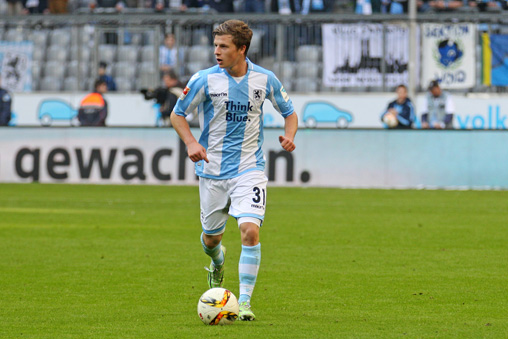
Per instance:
(258,94)
(184,93)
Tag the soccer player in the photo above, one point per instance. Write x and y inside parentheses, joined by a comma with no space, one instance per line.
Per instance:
(229,159)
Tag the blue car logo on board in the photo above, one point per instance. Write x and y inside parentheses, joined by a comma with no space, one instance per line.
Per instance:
(322,112)
(55,109)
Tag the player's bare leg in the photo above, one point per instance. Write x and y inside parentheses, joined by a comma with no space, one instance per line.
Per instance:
(248,267)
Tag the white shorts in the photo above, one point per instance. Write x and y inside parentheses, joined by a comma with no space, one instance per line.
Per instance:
(243,197)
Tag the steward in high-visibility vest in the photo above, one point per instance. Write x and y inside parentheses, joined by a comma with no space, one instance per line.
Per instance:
(93,109)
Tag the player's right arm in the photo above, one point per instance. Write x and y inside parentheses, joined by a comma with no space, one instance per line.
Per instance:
(195,150)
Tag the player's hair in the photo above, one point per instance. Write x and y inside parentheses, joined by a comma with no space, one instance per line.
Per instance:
(238,29)
(402,86)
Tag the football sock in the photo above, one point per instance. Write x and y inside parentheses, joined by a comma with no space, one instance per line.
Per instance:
(214,253)
(248,270)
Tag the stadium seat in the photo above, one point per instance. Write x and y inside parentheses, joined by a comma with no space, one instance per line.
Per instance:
(308,69)
(201,54)
(35,84)
(147,53)
(54,69)
(14,35)
(39,38)
(50,84)
(128,53)
(71,84)
(107,53)
(60,37)
(84,50)
(39,53)
(194,67)
(255,44)
(57,53)
(306,85)
(200,37)
(310,53)
(36,70)
(124,84)
(267,62)
(72,69)
(284,69)
(124,69)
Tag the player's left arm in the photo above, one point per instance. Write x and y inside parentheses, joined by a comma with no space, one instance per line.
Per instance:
(290,128)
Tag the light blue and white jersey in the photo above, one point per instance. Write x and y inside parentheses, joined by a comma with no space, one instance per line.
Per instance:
(231,117)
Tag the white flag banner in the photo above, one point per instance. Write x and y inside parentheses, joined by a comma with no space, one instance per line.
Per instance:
(16,65)
(448,53)
(353,55)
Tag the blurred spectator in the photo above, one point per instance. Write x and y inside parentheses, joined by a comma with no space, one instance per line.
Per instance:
(316,6)
(167,95)
(394,6)
(437,108)
(445,5)
(486,5)
(401,109)
(363,7)
(285,6)
(221,6)
(254,6)
(5,107)
(167,53)
(15,7)
(36,6)
(58,6)
(104,76)
(93,109)
(118,5)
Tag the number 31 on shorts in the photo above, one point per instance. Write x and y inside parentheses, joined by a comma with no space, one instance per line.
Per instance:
(259,195)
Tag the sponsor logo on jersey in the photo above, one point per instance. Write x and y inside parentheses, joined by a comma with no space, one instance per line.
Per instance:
(238,106)
(186,90)
(218,95)
(284,94)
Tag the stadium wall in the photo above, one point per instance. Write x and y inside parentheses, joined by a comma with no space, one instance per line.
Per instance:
(327,158)
(475,111)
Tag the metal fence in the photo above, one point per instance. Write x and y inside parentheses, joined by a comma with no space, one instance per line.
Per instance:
(68,48)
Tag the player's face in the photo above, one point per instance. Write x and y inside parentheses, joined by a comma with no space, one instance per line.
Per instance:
(226,53)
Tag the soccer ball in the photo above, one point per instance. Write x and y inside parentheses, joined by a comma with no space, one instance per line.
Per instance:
(218,306)
(390,120)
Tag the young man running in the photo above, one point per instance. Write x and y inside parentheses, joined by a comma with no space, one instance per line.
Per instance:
(229,160)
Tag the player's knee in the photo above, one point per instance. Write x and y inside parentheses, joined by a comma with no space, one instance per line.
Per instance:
(250,234)
(211,241)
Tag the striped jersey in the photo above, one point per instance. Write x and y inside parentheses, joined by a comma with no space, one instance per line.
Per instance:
(231,117)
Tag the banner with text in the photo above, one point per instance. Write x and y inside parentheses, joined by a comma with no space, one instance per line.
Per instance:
(353,55)
(448,53)
(332,158)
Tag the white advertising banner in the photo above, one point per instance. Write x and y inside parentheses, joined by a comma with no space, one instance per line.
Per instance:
(16,65)
(352,110)
(449,54)
(353,55)
(329,158)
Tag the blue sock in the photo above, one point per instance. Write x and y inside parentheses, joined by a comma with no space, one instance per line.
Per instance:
(214,253)
(248,268)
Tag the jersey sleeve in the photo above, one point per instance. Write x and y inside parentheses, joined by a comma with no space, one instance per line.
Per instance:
(279,97)
(192,95)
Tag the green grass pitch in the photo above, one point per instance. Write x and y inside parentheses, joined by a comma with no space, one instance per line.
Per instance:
(80,261)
